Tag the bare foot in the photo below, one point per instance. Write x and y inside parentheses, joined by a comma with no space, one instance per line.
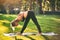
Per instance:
(38,34)
(18,33)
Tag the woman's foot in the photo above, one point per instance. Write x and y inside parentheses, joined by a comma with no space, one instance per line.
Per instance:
(18,33)
(38,34)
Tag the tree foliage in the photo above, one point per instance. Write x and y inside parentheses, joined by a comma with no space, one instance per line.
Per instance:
(36,5)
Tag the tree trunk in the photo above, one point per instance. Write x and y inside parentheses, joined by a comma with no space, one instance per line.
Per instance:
(40,6)
(2,9)
(52,4)
(30,4)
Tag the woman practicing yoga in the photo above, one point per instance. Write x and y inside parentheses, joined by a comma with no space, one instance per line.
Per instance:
(25,16)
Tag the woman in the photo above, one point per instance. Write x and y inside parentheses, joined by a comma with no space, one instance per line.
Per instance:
(26,15)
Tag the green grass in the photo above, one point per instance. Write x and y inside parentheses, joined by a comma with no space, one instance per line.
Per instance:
(48,23)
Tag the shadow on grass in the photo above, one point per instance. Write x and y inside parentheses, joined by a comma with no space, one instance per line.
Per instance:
(55,37)
(25,36)
(46,38)
(29,37)
(2,17)
(17,39)
(57,16)
(8,26)
(9,18)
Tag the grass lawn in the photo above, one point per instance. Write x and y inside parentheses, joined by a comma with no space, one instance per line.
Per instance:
(48,23)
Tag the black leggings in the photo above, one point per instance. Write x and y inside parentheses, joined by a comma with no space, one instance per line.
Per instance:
(32,16)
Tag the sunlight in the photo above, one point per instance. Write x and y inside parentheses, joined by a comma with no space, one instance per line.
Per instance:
(3,29)
(2,37)
(57,20)
(4,21)
(30,37)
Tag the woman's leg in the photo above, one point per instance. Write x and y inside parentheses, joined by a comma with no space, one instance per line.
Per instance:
(25,23)
(35,21)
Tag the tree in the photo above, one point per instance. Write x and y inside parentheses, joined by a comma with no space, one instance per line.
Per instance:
(40,6)
(2,8)
(52,4)
(57,5)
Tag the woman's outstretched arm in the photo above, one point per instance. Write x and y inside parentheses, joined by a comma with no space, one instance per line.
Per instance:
(16,20)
